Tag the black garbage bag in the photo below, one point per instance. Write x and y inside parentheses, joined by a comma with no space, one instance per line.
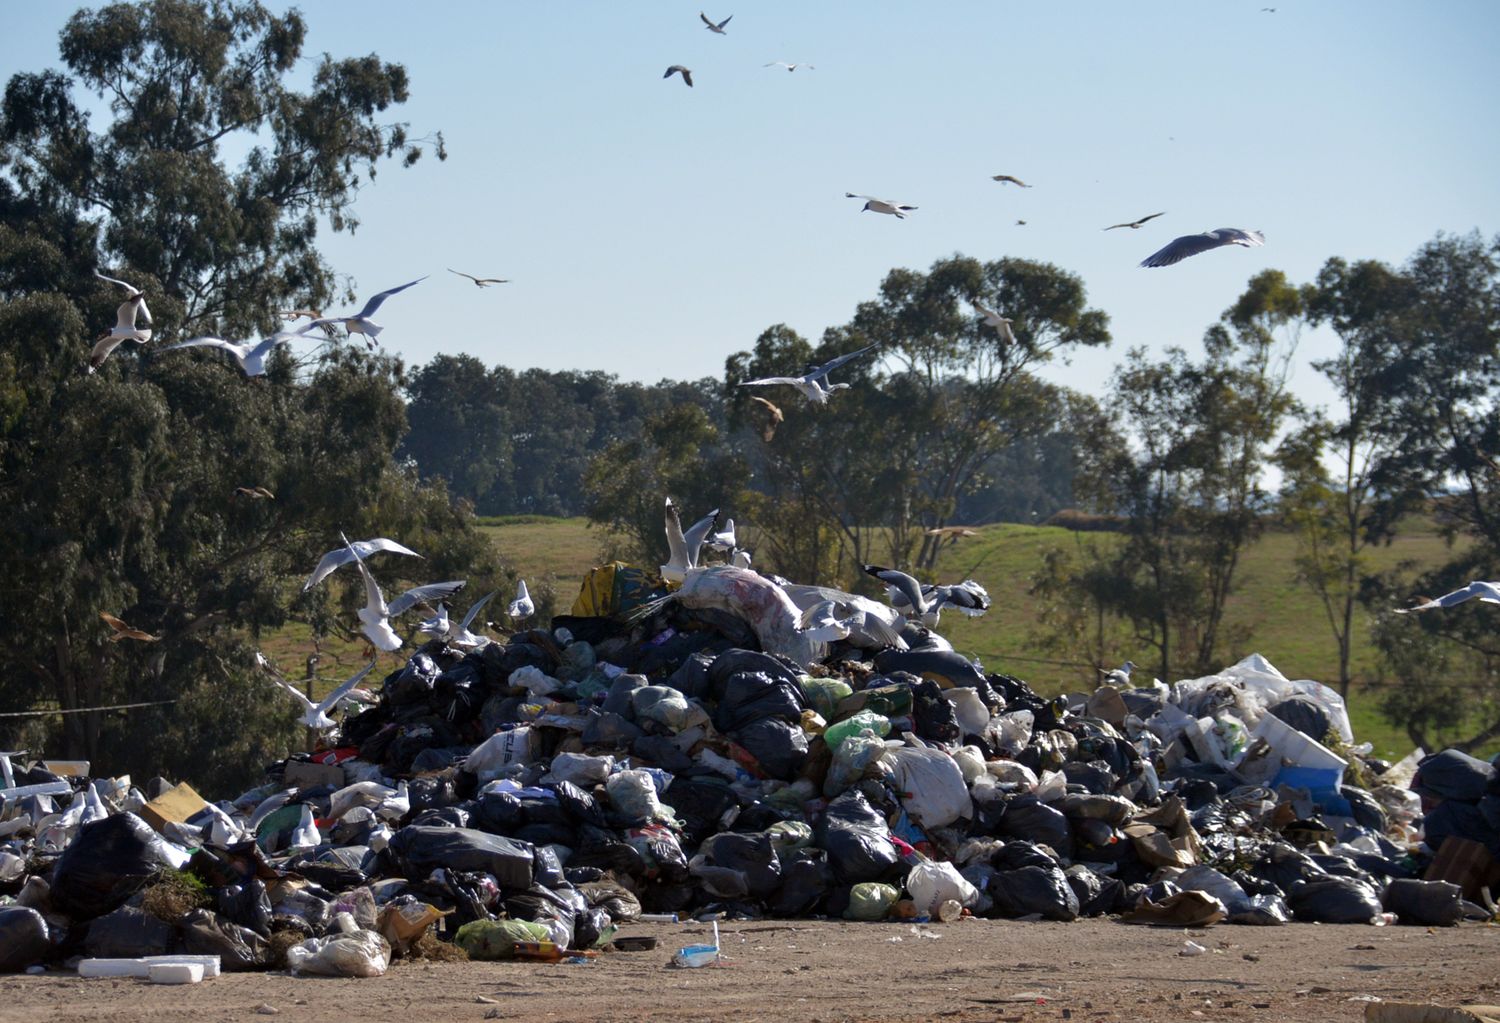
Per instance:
(1427,903)
(232,864)
(23,938)
(613,898)
(547,869)
(128,933)
(1334,900)
(700,804)
(609,731)
(107,862)
(1029,818)
(500,661)
(1020,853)
(443,817)
(499,813)
(750,696)
(805,880)
(1455,817)
(663,751)
(337,877)
(413,682)
(736,661)
(433,792)
(780,747)
(1339,866)
(419,851)
(581,875)
(459,692)
(578,806)
(589,926)
(934,718)
(1095,775)
(606,850)
(1367,813)
(246,904)
(1097,895)
(1285,865)
(691,678)
(548,833)
(620,699)
(751,855)
(540,904)
(857,840)
(205,933)
(1305,715)
(1043,890)
(433,758)
(1452,774)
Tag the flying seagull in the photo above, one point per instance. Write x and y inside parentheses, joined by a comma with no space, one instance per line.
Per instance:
(895,209)
(902,584)
(292,314)
(523,606)
(376,615)
(1179,249)
(342,556)
(315,715)
(440,626)
(716,29)
(482,282)
(968,597)
(123,631)
(250,357)
(953,533)
(124,328)
(683,547)
(258,493)
(1008,179)
(1487,592)
(1137,223)
(789,67)
(1119,676)
(687,76)
(360,322)
(1001,324)
(814,383)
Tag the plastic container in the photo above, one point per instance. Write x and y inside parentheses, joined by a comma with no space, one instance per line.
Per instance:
(699,955)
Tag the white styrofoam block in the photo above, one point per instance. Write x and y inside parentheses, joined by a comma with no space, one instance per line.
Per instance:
(113,968)
(176,973)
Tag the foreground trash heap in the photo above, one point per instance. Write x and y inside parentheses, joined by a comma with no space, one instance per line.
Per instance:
(555,787)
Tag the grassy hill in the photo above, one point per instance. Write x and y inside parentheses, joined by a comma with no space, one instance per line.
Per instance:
(1285,621)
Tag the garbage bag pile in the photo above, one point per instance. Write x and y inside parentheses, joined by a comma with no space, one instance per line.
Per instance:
(556,786)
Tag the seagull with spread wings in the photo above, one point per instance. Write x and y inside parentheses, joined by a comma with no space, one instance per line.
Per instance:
(678,69)
(899,210)
(124,329)
(123,631)
(1001,324)
(251,357)
(814,383)
(789,67)
(441,627)
(315,715)
(360,322)
(683,547)
(483,282)
(1487,592)
(774,417)
(375,617)
(1178,249)
(1137,223)
(341,556)
(715,29)
(1009,179)
(256,493)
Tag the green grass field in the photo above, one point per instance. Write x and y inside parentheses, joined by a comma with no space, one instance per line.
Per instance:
(1283,620)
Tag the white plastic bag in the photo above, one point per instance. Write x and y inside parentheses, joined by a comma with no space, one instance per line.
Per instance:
(930,784)
(491,757)
(930,884)
(355,954)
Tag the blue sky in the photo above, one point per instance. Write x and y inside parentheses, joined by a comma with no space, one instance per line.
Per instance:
(651,230)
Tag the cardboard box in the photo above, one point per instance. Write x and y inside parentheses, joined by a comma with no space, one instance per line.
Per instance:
(177,804)
(304,775)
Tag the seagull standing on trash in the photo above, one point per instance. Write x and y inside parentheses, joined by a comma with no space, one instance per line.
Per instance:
(1178,249)
(315,715)
(441,627)
(814,383)
(522,607)
(683,547)
(376,615)
(1487,592)
(360,322)
(1119,677)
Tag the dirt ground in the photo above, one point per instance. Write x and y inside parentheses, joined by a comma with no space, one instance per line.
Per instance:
(1091,971)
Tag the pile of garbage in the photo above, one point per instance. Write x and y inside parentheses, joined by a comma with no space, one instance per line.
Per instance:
(540,793)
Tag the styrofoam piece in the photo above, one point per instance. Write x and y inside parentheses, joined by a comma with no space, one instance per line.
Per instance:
(209,965)
(1298,750)
(176,973)
(46,788)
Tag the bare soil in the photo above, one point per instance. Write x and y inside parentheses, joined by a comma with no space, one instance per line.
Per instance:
(1092,971)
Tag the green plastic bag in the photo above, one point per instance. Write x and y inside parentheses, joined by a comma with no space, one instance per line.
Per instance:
(836,733)
(496,939)
(870,900)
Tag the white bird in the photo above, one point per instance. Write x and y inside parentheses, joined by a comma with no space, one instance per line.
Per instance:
(895,209)
(1179,249)
(360,322)
(315,715)
(904,584)
(1119,676)
(723,540)
(740,558)
(251,357)
(341,556)
(821,622)
(968,598)
(1487,592)
(1001,324)
(683,547)
(871,624)
(789,67)
(482,282)
(716,29)
(124,329)
(441,627)
(814,383)
(687,75)
(1136,224)
(376,615)
(305,836)
(523,606)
